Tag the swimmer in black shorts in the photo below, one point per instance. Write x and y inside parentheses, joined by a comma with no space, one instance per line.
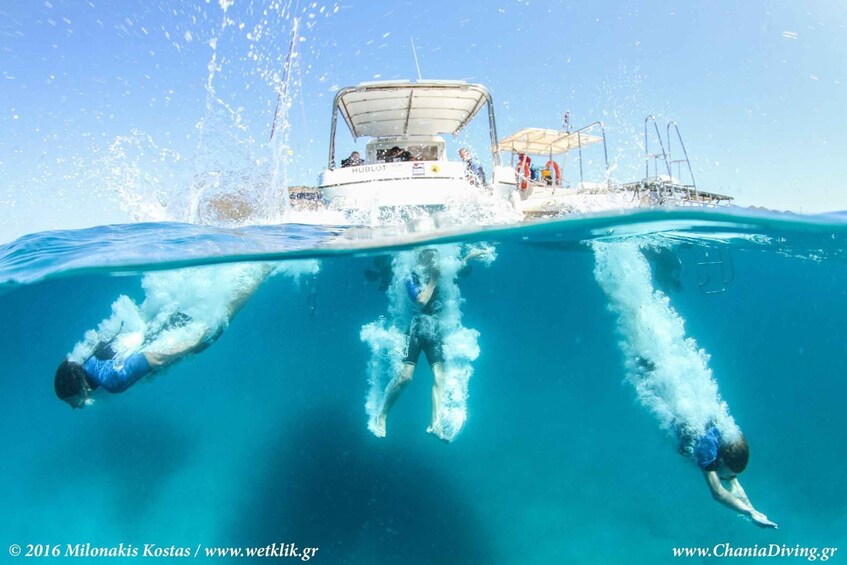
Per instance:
(424,336)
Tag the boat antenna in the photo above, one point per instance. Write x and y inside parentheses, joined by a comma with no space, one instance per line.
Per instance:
(415,54)
(286,73)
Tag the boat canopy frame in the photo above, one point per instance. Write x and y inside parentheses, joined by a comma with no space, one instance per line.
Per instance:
(403,108)
(538,141)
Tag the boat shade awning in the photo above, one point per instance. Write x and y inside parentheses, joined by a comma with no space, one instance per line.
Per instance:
(421,108)
(537,141)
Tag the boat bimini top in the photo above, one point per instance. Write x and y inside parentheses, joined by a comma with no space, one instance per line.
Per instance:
(402,108)
(537,141)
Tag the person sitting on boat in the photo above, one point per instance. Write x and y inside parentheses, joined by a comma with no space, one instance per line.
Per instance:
(397,155)
(534,173)
(118,362)
(354,160)
(473,170)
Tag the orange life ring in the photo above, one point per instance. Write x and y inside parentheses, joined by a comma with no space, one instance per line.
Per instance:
(523,163)
(555,169)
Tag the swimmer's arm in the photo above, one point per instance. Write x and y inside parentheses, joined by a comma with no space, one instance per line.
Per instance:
(726,498)
(472,254)
(159,359)
(723,496)
(426,294)
(738,492)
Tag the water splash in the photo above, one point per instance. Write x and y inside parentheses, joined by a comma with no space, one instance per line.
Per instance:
(157,144)
(238,179)
(205,297)
(669,372)
(136,172)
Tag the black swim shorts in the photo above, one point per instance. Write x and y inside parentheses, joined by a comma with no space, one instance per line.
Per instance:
(425,336)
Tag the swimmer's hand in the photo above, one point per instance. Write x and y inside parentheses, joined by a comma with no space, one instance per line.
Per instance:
(473,254)
(484,254)
(761,520)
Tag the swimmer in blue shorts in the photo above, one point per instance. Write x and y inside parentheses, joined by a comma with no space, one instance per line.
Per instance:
(78,380)
(75,382)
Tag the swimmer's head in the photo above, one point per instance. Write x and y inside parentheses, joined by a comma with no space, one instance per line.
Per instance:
(71,386)
(734,456)
(428,258)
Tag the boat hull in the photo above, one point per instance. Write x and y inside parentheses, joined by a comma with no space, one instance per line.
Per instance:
(406,184)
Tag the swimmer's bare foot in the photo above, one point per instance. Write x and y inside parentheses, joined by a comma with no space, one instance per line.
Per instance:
(379,427)
(435,429)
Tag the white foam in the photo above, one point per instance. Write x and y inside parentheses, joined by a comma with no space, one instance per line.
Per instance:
(670,373)
(208,295)
(387,344)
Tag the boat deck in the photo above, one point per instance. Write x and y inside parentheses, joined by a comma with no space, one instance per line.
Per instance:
(669,193)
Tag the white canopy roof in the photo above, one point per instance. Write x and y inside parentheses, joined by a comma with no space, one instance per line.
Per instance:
(537,141)
(381,109)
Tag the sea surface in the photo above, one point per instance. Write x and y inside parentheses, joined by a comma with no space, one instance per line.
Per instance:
(263,437)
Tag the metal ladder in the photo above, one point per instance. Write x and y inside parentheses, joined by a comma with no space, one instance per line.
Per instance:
(715,271)
(679,162)
(656,157)
(672,190)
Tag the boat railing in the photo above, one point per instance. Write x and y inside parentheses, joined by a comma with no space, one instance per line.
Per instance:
(578,133)
(679,162)
(660,192)
(655,157)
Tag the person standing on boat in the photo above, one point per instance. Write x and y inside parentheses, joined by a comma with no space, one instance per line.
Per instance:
(473,170)
(354,160)
(524,169)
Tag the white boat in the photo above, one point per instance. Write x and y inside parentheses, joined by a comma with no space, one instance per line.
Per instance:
(406,173)
(412,117)
(546,191)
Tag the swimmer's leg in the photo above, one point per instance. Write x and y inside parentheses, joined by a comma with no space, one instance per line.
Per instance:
(392,392)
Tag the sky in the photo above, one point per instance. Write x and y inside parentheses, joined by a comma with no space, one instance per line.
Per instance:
(108,110)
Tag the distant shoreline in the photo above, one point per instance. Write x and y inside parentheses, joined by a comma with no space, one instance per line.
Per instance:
(305,197)
(304,193)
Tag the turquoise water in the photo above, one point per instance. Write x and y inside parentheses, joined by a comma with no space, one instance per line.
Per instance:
(263,437)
